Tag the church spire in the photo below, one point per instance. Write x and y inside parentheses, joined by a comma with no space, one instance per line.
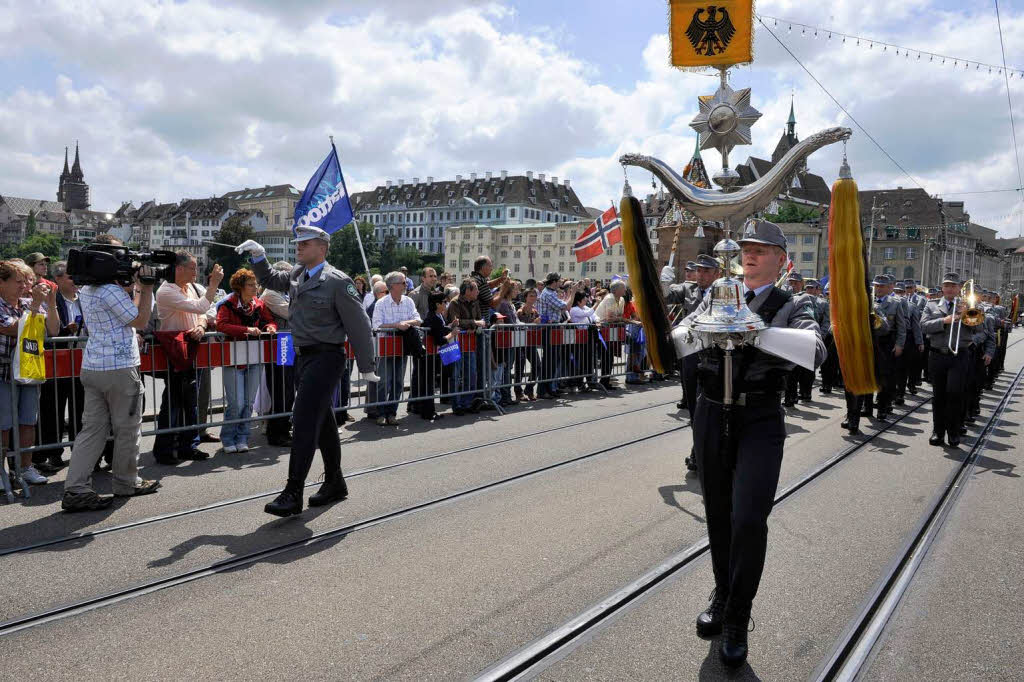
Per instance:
(76,170)
(66,171)
(791,123)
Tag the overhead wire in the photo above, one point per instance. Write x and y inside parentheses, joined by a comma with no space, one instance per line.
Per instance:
(838,104)
(1009,103)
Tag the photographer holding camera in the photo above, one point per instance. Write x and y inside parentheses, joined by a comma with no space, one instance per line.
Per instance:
(113,393)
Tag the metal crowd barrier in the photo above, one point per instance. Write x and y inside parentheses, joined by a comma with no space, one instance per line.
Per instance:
(495,362)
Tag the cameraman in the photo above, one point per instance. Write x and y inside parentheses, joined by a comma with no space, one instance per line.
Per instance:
(113,394)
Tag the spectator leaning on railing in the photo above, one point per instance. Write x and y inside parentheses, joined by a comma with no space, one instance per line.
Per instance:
(241,316)
(16,282)
(609,312)
(464,313)
(182,306)
(65,394)
(113,395)
(397,312)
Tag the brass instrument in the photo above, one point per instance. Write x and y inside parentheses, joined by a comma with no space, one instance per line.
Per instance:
(953,343)
(876,319)
(973,315)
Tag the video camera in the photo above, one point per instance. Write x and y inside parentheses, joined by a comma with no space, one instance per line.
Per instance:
(109,264)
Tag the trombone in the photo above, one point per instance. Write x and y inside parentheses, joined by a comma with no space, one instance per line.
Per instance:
(972,316)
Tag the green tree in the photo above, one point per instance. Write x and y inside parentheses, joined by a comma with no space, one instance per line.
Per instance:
(30,224)
(233,231)
(790,212)
(48,244)
(344,251)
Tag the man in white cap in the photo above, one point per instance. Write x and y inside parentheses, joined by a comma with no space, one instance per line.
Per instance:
(324,309)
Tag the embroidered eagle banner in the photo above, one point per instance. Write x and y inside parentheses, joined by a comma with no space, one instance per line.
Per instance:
(710,33)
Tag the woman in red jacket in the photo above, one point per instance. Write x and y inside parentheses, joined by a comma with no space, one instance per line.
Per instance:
(241,315)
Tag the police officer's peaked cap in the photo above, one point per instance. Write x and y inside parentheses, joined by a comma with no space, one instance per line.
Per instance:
(811,282)
(932,290)
(762,232)
(795,277)
(306,232)
(690,266)
(951,278)
(881,280)
(706,261)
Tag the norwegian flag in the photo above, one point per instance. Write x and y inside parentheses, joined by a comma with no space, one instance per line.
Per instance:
(601,235)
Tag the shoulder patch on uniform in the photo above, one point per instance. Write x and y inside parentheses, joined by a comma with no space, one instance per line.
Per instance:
(351,289)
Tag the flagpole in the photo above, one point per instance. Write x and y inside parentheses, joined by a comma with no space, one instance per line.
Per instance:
(355,223)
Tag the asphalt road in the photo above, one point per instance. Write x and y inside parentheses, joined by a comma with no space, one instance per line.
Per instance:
(445,592)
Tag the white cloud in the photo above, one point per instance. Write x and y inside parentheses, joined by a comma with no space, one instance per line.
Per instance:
(193,99)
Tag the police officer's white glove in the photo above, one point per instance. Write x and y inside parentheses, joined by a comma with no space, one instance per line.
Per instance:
(253,248)
(370,377)
(668,275)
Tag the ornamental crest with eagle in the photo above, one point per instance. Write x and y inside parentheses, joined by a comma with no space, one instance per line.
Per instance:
(710,37)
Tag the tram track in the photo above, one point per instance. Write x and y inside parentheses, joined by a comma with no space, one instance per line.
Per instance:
(129,525)
(538,654)
(852,651)
(190,575)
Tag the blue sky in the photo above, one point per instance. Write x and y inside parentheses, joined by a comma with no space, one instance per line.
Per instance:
(199,97)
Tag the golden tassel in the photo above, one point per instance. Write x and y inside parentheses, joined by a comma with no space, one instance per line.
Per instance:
(849,301)
(644,282)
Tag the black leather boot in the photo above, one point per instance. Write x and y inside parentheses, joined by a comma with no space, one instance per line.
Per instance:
(733,646)
(334,489)
(288,503)
(709,622)
(936,438)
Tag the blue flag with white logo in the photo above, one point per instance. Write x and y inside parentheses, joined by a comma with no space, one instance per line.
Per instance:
(325,203)
(285,350)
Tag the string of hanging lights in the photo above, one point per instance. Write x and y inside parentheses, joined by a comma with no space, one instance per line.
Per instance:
(829,35)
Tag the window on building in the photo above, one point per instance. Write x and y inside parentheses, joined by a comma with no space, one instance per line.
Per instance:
(561,250)
(911,253)
(889,253)
(908,272)
(533,239)
(808,239)
(488,214)
(561,235)
(622,250)
(517,239)
(561,265)
(608,266)
(511,213)
(497,213)
(792,255)
(547,253)
(515,268)
(807,273)
(517,254)
(547,239)
(806,256)
(504,253)
(452,264)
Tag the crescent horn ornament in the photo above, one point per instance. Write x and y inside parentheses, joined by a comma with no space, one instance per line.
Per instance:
(715,205)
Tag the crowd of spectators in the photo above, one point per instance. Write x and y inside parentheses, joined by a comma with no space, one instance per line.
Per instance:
(433,313)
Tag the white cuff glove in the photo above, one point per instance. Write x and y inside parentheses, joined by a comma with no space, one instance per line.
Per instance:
(370,377)
(668,274)
(254,249)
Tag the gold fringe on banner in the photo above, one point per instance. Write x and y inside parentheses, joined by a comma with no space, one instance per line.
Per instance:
(849,302)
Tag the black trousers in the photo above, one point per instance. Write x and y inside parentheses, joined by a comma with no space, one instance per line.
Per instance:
(739,479)
(316,375)
(885,370)
(904,366)
(976,377)
(179,406)
(949,387)
(799,382)
(281,385)
(830,367)
(688,377)
(56,398)
(854,403)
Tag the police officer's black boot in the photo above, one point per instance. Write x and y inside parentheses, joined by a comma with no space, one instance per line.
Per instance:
(691,461)
(288,503)
(733,647)
(709,622)
(334,489)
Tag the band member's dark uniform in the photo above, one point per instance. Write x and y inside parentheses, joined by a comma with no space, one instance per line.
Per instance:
(740,473)
(947,367)
(688,295)
(887,355)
